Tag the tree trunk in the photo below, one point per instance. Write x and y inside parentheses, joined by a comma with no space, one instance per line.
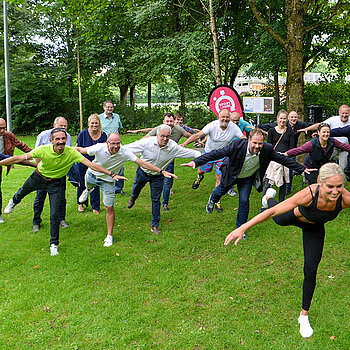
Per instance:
(234,74)
(295,55)
(182,100)
(123,93)
(149,95)
(214,35)
(277,89)
(79,91)
(132,96)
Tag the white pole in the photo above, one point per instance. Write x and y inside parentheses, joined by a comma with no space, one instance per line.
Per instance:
(7,75)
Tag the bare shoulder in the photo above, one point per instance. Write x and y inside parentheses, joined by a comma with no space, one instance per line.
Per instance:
(304,197)
(346,199)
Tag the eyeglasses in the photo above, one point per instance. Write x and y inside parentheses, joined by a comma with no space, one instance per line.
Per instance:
(164,136)
(113,144)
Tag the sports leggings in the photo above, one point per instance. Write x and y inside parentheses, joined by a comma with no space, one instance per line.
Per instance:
(313,241)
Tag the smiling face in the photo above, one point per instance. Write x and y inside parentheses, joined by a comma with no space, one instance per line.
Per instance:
(113,143)
(282,120)
(344,112)
(255,144)
(179,120)
(108,108)
(332,187)
(94,124)
(324,133)
(58,139)
(61,123)
(235,117)
(293,118)
(163,137)
(224,118)
(167,120)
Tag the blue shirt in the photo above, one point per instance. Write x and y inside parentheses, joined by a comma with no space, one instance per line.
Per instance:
(3,156)
(84,140)
(110,125)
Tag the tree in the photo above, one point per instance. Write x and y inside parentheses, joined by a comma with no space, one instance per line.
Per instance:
(302,20)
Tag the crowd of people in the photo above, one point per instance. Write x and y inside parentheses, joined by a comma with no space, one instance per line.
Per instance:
(234,148)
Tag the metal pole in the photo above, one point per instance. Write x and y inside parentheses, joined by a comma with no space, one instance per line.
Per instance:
(7,74)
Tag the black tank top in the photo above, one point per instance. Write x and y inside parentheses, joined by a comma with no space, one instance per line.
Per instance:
(313,214)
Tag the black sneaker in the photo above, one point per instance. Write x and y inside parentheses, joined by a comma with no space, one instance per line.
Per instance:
(210,206)
(197,182)
(218,206)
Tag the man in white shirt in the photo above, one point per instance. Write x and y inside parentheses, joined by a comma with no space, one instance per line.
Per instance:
(220,134)
(110,155)
(44,139)
(160,151)
(338,121)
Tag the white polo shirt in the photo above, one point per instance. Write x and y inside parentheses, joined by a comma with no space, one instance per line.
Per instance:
(218,138)
(111,162)
(159,156)
(335,122)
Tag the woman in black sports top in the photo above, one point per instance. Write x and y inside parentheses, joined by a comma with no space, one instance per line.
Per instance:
(308,209)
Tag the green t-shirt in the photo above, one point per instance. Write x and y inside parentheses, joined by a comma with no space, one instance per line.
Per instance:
(176,133)
(55,165)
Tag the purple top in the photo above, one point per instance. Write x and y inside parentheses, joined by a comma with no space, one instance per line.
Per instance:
(307,148)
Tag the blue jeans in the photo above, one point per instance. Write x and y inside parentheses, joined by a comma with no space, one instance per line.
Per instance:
(156,183)
(168,183)
(55,189)
(94,195)
(291,174)
(120,183)
(244,187)
(39,202)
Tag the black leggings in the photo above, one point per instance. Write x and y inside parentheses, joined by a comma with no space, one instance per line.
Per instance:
(313,241)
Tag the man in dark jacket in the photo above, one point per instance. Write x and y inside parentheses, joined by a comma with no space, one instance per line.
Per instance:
(245,165)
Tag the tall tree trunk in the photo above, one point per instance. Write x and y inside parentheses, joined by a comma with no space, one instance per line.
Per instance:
(214,35)
(132,96)
(149,95)
(182,100)
(123,93)
(295,55)
(79,91)
(277,88)
(234,74)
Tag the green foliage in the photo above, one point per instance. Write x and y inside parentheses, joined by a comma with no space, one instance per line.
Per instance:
(328,94)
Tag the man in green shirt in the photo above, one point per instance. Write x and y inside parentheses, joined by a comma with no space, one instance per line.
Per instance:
(56,160)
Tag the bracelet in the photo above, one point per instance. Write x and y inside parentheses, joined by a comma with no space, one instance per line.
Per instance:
(111,174)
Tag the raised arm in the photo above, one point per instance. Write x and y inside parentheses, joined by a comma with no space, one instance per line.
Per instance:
(139,130)
(303,197)
(193,138)
(311,127)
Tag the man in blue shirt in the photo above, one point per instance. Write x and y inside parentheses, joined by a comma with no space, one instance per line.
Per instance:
(110,122)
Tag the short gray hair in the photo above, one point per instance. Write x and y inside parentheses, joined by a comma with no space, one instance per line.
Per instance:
(163,127)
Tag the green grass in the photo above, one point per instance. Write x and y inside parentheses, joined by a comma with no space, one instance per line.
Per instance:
(180,290)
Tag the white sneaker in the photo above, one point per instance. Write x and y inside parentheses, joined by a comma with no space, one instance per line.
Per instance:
(108,241)
(54,249)
(232,192)
(305,328)
(84,196)
(1,220)
(269,193)
(9,208)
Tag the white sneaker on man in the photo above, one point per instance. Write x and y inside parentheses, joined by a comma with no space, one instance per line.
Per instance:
(270,193)
(232,192)
(1,220)
(54,249)
(108,241)
(305,329)
(9,208)
(84,196)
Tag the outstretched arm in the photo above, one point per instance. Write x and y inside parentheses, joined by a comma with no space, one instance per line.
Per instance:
(193,138)
(140,130)
(82,150)
(16,159)
(152,167)
(102,170)
(303,197)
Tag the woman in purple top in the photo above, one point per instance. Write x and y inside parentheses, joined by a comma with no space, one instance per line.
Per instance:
(86,138)
(320,151)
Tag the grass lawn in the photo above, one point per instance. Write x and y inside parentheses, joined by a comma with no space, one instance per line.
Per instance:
(180,290)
